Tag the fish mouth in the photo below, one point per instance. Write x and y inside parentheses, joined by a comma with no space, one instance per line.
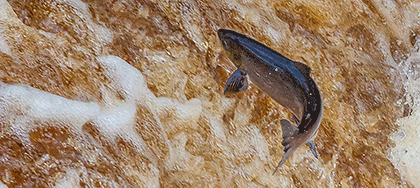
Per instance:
(221,33)
(225,34)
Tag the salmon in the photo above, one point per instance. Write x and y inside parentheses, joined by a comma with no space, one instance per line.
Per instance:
(287,82)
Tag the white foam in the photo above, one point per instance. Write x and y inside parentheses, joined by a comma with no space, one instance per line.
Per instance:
(6,14)
(24,107)
(6,11)
(21,106)
(191,110)
(81,9)
(103,34)
(119,119)
(69,179)
(4,47)
(119,123)
(180,159)
(260,143)
(78,5)
(185,113)
(405,154)
(126,80)
(218,129)
(2,185)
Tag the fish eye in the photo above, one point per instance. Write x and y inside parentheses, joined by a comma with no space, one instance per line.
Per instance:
(224,43)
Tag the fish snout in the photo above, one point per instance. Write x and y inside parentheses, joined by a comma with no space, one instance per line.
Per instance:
(221,33)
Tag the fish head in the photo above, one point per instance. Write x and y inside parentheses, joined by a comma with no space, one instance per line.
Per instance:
(231,43)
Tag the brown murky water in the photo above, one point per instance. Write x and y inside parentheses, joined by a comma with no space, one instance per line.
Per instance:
(129,93)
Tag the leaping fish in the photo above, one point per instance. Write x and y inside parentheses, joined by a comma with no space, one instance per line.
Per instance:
(287,82)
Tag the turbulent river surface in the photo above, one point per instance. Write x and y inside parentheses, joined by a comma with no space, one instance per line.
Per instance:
(107,93)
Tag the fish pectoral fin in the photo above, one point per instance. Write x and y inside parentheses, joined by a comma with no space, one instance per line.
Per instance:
(236,83)
(312,146)
(303,68)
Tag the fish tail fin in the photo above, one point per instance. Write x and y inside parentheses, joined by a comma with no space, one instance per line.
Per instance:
(289,131)
(286,156)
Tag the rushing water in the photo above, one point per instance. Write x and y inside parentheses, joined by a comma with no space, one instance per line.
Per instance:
(129,94)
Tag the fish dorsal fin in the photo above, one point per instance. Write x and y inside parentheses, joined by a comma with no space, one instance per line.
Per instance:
(303,68)
(236,83)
